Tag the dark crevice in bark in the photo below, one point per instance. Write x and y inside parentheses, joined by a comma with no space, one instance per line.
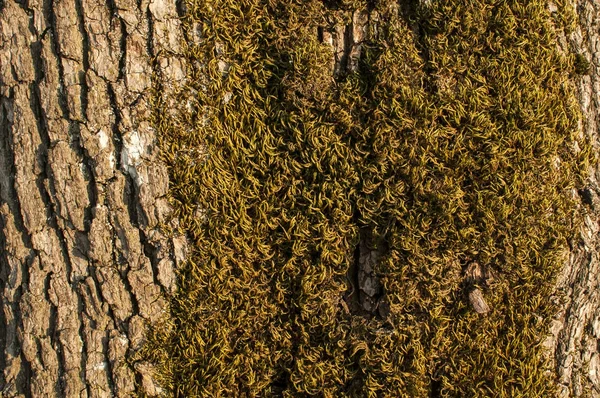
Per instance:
(139,380)
(150,38)
(109,368)
(129,194)
(119,326)
(73,284)
(81,310)
(320,31)
(42,154)
(112,9)
(26,373)
(180,7)
(118,260)
(85,40)
(4,269)
(151,252)
(589,197)
(46,172)
(53,329)
(89,175)
(435,388)
(345,58)
(123,48)
(135,306)
(136,101)
(36,55)
(130,198)
(13,72)
(117,137)
(53,311)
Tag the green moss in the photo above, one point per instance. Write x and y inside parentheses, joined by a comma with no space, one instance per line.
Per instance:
(452,146)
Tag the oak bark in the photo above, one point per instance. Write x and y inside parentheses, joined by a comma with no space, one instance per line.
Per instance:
(84,266)
(575,335)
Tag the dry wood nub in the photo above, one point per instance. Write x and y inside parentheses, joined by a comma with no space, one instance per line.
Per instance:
(475,275)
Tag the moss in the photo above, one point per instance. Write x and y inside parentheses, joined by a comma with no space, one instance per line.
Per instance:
(581,65)
(451,146)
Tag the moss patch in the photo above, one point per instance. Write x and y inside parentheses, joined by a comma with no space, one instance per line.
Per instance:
(453,142)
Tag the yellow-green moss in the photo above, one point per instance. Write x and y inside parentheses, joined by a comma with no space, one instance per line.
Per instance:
(453,141)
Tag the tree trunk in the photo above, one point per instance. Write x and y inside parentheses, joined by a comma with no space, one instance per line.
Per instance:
(84,265)
(575,335)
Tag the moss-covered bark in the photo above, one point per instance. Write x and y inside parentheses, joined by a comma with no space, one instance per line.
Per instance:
(445,141)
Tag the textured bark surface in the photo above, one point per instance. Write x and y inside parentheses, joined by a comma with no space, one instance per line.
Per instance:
(575,339)
(84,267)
